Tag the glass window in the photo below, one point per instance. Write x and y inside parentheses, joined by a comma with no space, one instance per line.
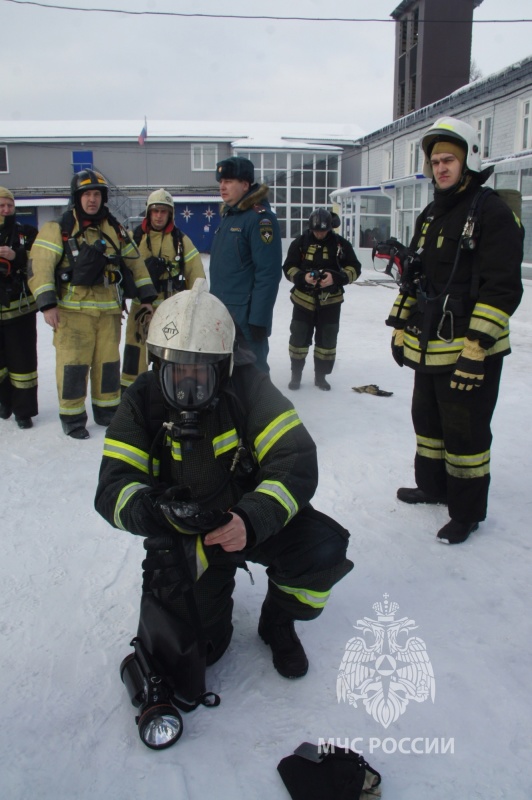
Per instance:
(321,197)
(3,159)
(373,229)
(526,219)
(204,157)
(281,160)
(82,159)
(484,132)
(308,178)
(408,197)
(296,178)
(506,180)
(398,198)
(526,138)
(417,195)
(526,182)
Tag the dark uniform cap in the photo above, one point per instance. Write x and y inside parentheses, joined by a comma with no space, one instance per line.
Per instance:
(235,168)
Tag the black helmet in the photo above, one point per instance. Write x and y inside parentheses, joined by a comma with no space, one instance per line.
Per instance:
(88,179)
(320,220)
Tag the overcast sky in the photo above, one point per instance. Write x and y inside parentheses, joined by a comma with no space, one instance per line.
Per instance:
(61,64)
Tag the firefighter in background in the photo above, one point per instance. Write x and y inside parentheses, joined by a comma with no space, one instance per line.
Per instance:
(223,473)
(77,269)
(18,318)
(173,263)
(319,263)
(451,319)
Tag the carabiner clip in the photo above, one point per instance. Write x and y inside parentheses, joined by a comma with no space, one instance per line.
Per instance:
(446,314)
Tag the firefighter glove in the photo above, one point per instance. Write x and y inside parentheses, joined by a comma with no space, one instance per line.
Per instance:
(143,318)
(397,346)
(469,369)
(184,516)
(299,280)
(173,561)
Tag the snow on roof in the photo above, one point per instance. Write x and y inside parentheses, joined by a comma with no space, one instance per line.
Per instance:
(337,133)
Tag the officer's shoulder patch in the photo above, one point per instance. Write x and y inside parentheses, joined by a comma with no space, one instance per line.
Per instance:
(259,209)
(266,231)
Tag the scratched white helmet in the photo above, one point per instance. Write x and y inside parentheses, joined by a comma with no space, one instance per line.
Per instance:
(450,129)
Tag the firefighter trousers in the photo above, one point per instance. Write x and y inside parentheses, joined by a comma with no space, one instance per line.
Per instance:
(453,440)
(134,362)
(323,323)
(18,365)
(87,346)
(302,562)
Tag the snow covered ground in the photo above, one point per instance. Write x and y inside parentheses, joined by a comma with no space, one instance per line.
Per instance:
(71,588)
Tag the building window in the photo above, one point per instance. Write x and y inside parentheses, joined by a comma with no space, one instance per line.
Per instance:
(414,153)
(414,32)
(3,160)
(387,165)
(526,125)
(412,97)
(375,218)
(403,35)
(204,157)
(484,132)
(82,159)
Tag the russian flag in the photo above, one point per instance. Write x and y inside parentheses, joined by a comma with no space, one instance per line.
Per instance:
(143,135)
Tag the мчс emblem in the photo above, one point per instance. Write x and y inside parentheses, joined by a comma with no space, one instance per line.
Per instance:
(385,668)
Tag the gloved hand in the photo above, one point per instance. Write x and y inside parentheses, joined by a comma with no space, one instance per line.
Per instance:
(299,280)
(184,516)
(258,332)
(340,277)
(143,317)
(173,561)
(469,369)
(397,346)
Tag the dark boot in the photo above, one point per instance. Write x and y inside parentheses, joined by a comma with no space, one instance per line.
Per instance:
(456,532)
(24,422)
(321,383)
(103,416)
(418,496)
(78,433)
(276,628)
(297,372)
(5,411)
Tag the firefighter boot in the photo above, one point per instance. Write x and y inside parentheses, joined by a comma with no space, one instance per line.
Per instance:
(276,628)
(297,371)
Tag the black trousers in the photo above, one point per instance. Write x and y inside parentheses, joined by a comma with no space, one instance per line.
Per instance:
(18,365)
(323,323)
(453,440)
(303,562)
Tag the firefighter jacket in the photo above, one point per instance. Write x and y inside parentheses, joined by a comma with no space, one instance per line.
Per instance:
(246,258)
(53,282)
(171,258)
(465,283)
(275,479)
(333,254)
(16,299)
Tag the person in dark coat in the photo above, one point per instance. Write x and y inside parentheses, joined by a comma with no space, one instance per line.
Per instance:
(319,264)
(18,323)
(246,255)
(461,283)
(217,462)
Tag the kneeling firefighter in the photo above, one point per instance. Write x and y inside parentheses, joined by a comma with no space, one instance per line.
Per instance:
(211,463)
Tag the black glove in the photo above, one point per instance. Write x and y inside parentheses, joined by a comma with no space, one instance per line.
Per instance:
(173,561)
(299,280)
(258,332)
(341,278)
(397,346)
(184,516)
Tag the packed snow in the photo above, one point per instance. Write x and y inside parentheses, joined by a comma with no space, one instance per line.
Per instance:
(71,589)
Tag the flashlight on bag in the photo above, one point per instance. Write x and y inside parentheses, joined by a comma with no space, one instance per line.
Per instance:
(159,722)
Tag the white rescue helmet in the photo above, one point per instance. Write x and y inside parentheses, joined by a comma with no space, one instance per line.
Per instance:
(160,197)
(449,129)
(192,329)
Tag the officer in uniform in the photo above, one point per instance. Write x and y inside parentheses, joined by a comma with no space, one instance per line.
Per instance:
(78,268)
(18,323)
(319,264)
(173,263)
(213,465)
(461,283)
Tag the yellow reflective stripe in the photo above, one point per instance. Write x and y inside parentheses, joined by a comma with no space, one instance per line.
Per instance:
(72,411)
(273,432)
(489,320)
(23,380)
(67,303)
(476,465)
(46,245)
(307,596)
(440,354)
(105,403)
(46,287)
(325,355)
(130,455)
(128,249)
(3,373)
(281,494)
(142,282)
(190,255)
(430,448)
(225,442)
(176,451)
(201,558)
(123,498)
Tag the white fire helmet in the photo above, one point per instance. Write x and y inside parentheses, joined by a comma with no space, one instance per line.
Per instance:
(192,334)
(160,197)
(449,129)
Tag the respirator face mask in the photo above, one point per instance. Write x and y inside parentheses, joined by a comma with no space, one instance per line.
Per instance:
(189,387)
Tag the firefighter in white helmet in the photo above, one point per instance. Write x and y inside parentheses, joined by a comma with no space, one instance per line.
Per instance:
(205,452)
(461,282)
(173,262)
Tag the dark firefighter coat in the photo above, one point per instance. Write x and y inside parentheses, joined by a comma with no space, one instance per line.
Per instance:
(478,299)
(246,258)
(333,254)
(276,479)
(15,297)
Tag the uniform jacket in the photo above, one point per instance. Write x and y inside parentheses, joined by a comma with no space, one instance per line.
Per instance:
(283,462)
(485,291)
(246,258)
(48,258)
(334,254)
(16,299)
(160,245)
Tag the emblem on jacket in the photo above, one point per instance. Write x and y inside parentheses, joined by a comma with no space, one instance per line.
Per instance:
(266,231)
(385,668)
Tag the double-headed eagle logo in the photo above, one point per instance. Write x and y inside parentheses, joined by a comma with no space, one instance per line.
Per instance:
(385,668)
